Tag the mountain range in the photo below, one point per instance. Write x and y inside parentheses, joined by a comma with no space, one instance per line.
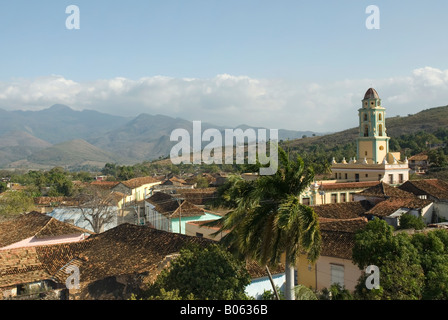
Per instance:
(61,136)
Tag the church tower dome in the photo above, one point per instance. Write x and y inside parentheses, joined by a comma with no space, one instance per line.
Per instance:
(373,142)
(371,94)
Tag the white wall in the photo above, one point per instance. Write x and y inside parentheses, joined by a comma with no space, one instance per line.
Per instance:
(259,285)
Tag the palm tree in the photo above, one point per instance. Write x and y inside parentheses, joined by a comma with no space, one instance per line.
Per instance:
(267,220)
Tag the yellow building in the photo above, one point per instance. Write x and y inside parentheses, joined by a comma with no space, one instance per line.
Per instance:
(374,160)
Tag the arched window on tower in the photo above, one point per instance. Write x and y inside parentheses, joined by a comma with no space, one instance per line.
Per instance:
(366,131)
(380,116)
(380,129)
(365,116)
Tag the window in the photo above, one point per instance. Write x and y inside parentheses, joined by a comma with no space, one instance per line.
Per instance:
(343,197)
(334,198)
(366,131)
(346,176)
(357,177)
(391,179)
(337,274)
(199,235)
(381,148)
(365,116)
(380,116)
(379,177)
(400,178)
(380,129)
(352,196)
(306,201)
(367,175)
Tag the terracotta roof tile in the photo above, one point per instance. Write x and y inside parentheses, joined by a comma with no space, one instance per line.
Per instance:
(433,187)
(105,184)
(338,237)
(168,205)
(419,157)
(129,249)
(383,190)
(34,224)
(387,207)
(347,185)
(32,264)
(138,182)
(346,210)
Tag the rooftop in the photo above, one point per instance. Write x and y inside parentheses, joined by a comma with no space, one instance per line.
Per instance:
(34,224)
(346,210)
(433,187)
(383,190)
(371,94)
(387,207)
(168,205)
(138,182)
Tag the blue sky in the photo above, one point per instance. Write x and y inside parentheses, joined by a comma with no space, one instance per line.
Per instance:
(227,61)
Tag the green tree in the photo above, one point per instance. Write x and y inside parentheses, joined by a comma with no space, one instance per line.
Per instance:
(267,220)
(205,273)
(15,202)
(335,292)
(3,187)
(433,251)
(401,276)
(409,221)
(59,182)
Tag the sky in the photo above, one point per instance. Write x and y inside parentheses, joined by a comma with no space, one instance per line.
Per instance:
(285,64)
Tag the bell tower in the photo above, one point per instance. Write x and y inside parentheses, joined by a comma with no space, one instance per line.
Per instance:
(372,142)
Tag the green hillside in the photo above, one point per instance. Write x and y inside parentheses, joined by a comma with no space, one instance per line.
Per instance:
(70,153)
(429,120)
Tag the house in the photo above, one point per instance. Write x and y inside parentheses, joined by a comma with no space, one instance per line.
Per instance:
(331,191)
(30,272)
(419,163)
(335,264)
(201,229)
(199,197)
(36,229)
(338,223)
(48,204)
(120,261)
(136,189)
(176,182)
(382,191)
(390,203)
(170,213)
(431,189)
(260,279)
(392,209)
(111,265)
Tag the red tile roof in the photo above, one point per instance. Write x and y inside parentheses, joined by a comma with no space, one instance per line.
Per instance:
(32,264)
(387,207)
(138,182)
(435,188)
(346,210)
(168,205)
(105,184)
(383,190)
(347,185)
(338,236)
(34,224)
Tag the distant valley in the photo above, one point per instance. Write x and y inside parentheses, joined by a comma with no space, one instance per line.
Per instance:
(61,136)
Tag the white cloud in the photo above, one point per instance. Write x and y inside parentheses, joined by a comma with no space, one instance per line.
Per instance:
(232,100)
